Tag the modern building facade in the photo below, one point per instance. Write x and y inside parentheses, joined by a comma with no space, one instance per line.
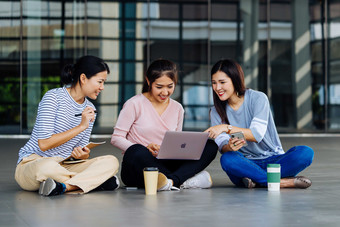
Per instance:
(289,49)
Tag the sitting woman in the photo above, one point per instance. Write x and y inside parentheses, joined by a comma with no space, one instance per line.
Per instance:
(239,109)
(140,129)
(63,127)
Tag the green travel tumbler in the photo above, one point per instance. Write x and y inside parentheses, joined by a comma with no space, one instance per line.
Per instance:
(273,177)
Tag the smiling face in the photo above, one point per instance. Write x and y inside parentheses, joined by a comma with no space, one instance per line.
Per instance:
(93,86)
(162,88)
(222,86)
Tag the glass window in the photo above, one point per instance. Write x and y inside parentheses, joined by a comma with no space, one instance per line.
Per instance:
(290,58)
(53,36)
(118,33)
(281,61)
(10,83)
(334,66)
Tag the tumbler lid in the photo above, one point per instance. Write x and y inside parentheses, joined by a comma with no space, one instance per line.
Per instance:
(150,169)
(273,165)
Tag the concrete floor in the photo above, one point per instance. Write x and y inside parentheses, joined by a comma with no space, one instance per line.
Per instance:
(223,205)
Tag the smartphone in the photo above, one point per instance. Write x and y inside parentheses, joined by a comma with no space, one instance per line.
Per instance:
(239,135)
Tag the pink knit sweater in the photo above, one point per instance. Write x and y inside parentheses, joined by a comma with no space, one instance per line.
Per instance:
(139,122)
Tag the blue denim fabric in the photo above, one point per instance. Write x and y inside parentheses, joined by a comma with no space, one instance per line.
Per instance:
(292,162)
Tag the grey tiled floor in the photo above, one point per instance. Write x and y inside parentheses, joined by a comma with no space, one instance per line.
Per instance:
(223,205)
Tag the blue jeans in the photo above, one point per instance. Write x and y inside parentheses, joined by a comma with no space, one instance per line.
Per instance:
(292,162)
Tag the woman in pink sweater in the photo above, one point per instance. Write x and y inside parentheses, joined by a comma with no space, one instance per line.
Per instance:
(140,129)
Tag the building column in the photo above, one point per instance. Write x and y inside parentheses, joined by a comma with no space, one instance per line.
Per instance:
(301,64)
(32,47)
(127,52)
(250,15)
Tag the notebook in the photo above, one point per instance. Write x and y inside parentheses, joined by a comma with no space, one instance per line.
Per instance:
(71,160)
(183,145)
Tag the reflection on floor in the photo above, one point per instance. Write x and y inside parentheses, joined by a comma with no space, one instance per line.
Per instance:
(223,205)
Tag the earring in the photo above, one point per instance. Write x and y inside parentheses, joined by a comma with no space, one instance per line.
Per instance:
(237,94)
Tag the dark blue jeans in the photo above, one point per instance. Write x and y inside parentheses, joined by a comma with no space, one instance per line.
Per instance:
(292,162)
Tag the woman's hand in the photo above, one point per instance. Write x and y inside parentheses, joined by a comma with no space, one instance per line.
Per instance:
(81,153)
(153,148)
(87,116)
(216,130)
(236,144)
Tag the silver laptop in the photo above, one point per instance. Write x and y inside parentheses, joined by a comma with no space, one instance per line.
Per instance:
(183,145)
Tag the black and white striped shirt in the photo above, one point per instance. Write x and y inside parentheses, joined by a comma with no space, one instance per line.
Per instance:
(56,114)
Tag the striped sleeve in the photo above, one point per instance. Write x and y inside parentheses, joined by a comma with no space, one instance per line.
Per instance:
(47,109)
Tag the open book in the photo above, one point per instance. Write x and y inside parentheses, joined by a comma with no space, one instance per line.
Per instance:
(71,160)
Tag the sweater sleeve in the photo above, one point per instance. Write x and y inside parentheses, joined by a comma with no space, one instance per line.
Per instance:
(261,111)
(125,119)
(180,119)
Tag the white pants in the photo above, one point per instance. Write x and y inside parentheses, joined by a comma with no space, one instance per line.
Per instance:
(88,175)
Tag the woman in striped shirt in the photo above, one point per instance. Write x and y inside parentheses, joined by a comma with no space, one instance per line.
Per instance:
(63,127)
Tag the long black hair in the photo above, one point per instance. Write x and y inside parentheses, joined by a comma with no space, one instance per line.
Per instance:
(235,73)
(157,69)
(89,65)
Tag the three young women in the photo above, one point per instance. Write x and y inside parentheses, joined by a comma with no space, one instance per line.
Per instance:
(140,129)
(239,109)
(63,127)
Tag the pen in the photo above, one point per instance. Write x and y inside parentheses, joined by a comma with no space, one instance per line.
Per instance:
(77,115)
